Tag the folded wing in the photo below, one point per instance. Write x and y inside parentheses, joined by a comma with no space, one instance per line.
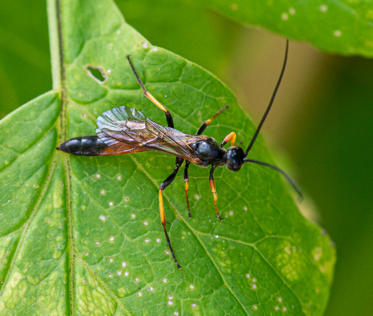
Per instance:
(126,130)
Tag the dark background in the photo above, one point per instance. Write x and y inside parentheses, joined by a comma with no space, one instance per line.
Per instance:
(322,122)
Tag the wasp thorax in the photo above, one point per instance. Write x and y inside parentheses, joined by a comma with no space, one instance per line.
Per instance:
(234,158)
(208,151)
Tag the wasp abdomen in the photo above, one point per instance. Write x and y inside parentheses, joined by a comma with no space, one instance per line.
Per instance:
(84,146)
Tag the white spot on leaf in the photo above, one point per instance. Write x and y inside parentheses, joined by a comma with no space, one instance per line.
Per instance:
(323,8)
(337,33)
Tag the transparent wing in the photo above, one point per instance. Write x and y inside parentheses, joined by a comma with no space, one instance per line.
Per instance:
(127,130)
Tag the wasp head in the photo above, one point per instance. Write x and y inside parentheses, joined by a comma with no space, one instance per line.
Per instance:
(234,158)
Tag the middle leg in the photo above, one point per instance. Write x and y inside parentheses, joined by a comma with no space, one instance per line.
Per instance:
(208,122)
(186,174)
(213,191)
(186,188)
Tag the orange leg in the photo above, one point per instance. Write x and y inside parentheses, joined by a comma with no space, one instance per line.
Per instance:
(159,105)
(231,137)
(208,122)
(213,191)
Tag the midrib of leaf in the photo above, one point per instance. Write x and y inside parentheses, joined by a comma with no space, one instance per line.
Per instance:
(60,84)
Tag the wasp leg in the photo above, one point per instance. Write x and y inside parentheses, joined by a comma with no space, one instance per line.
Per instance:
(207,122)
(231,137)
(164,184)
(169,119)
(213,191)
(186,188)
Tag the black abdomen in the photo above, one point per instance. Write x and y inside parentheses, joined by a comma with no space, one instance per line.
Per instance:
(84,146)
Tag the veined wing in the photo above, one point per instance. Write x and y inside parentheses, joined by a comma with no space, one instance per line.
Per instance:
(127,130)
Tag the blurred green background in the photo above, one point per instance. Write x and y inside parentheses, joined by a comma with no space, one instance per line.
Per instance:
(322,120)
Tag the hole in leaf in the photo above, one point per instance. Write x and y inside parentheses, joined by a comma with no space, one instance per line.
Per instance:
(97,73)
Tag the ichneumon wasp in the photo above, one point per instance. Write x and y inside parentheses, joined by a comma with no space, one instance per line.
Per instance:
(126,130)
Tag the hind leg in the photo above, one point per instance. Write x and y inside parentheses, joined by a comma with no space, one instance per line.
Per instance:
(163,186)
(169,119)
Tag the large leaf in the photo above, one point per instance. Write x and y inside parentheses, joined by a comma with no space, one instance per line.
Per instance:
(82,235)
(341,26)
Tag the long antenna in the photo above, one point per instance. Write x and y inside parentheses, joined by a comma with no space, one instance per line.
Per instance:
(287,177)
(271,100)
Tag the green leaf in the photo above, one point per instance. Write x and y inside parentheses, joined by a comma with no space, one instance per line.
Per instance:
(218,37)
(340,26)
(82,235)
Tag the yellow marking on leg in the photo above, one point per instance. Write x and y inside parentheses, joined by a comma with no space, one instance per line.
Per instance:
(161,208)
(215,197)
(186,188)
(231,137)
(155,101)
(215,115)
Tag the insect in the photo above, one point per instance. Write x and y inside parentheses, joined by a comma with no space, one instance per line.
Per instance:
(125,130)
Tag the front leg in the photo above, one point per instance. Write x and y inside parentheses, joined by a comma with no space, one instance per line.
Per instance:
(213,191)
(231,137)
